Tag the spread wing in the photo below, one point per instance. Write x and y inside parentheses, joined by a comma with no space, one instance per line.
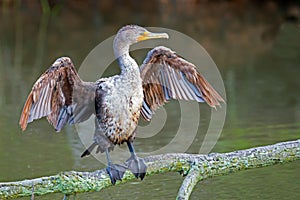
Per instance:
(167,76)
(60,95)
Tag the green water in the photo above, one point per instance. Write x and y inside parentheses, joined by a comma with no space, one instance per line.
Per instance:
(256,52)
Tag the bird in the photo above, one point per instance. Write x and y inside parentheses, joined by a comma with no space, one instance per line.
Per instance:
(118,101)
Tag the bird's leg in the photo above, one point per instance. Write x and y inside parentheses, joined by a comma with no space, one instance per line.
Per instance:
(136,165)
(115,171)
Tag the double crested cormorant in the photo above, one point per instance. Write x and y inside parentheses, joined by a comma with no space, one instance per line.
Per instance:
(118,101)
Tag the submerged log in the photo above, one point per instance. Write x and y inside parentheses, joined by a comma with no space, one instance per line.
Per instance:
(195,167)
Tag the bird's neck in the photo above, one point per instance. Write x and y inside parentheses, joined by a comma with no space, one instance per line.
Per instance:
(127,64)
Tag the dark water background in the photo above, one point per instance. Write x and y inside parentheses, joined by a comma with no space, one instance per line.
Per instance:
(255,45)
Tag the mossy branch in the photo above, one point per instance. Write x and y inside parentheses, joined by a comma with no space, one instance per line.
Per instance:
(196,167)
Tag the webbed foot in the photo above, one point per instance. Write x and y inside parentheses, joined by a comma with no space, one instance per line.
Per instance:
(137,166)
(115,172)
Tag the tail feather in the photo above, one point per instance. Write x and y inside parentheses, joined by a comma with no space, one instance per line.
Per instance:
(89,150)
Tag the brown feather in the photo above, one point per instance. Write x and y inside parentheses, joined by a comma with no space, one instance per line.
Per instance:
(26,112)
(166,75)
(53,93)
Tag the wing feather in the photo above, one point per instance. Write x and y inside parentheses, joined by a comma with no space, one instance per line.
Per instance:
(167,76)
(60,95)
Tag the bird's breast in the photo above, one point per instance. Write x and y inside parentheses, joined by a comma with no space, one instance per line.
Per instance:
(121,110)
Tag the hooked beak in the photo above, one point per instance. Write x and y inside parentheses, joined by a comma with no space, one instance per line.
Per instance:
(148,35)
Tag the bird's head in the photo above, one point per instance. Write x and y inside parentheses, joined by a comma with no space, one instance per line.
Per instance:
(131,34)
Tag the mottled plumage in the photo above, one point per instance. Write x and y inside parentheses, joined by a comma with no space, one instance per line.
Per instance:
(57,95)
(168,76)
(118,111)
(118,101)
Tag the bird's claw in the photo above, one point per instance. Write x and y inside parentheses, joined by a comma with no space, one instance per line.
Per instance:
(115,172)
(137,166)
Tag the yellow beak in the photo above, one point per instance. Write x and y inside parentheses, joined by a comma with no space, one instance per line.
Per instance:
(148,35)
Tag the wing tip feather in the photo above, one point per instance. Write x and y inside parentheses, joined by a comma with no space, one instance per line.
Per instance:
(25,113)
